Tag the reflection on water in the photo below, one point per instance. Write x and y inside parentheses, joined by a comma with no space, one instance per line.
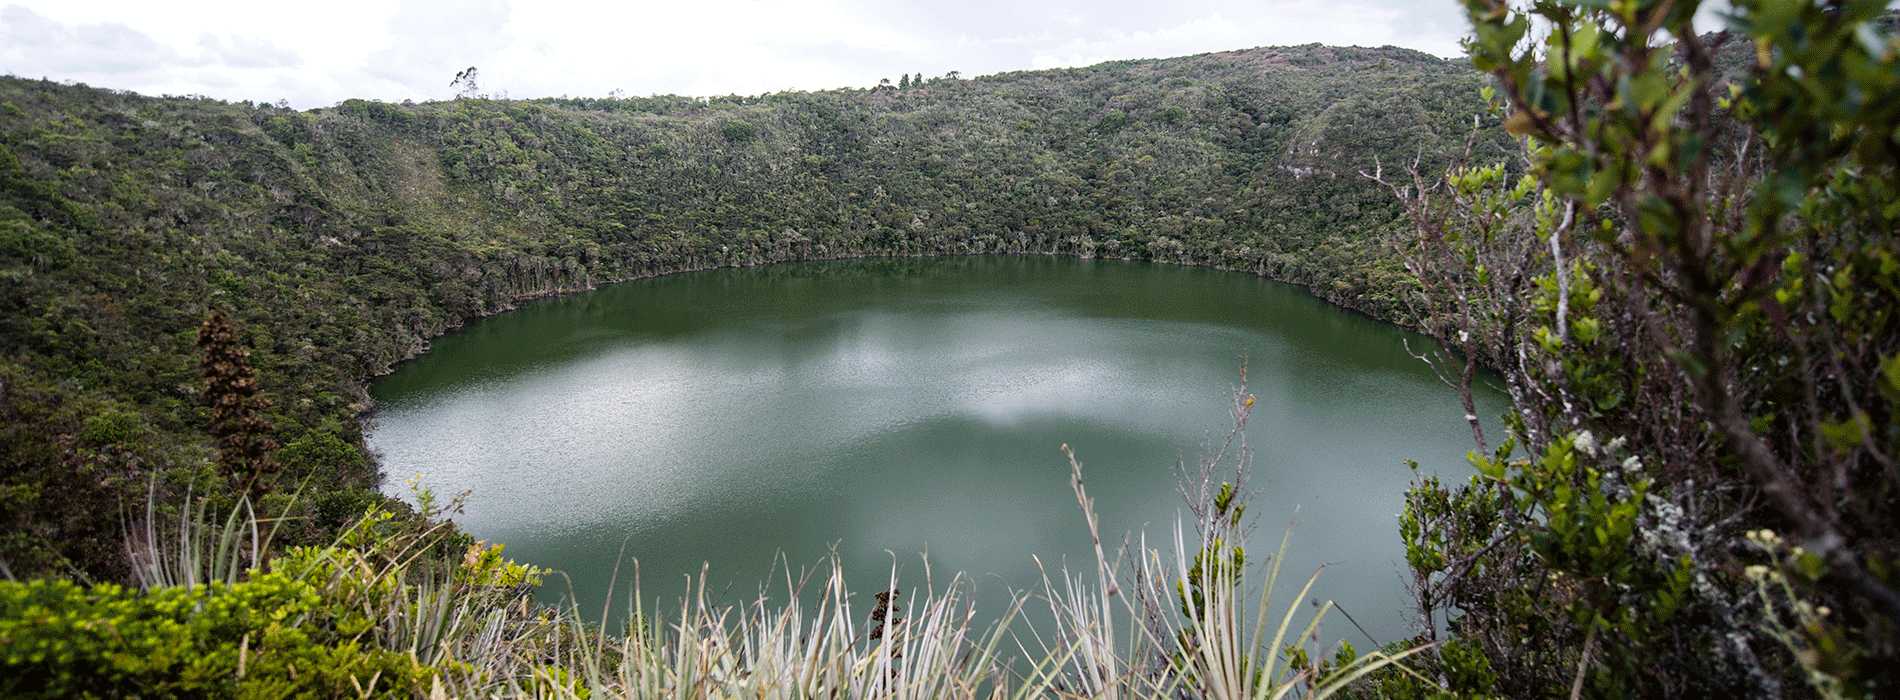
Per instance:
(911,411)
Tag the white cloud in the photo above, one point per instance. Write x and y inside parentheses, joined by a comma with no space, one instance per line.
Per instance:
(120,55)
(35,46)
(241,49)
(702,48)
(1290,23)
(244,52)
(429,41)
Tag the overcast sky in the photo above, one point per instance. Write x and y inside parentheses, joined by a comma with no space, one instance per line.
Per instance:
(316,54)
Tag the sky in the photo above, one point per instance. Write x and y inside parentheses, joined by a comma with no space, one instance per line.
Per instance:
(315,55)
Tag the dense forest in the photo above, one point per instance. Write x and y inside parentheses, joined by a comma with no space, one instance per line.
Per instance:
(1678,252)
(341,240)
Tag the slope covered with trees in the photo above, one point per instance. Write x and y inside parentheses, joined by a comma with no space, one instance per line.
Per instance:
(340,240)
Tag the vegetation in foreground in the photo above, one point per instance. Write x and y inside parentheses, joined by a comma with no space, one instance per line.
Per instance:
(380,612)
(1691,300)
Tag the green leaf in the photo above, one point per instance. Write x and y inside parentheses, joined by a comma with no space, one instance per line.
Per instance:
(1846,435)
(1890,379)
(1491,469)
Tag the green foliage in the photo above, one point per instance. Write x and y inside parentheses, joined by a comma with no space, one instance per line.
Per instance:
(1220,562)
(336,508)
(1593,503)
(739,130)
(484,566)
(112,427)
(1701,269)
(381,612)
(322,455)
(59,492)
(1455,670)
(267,637)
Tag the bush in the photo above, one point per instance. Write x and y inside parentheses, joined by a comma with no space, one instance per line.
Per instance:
(739,130)
(323,455)
(112,427)
(267,637)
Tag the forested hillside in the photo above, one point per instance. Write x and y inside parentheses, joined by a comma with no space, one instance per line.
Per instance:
(340,240)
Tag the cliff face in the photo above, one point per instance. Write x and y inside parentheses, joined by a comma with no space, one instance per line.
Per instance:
(342,239)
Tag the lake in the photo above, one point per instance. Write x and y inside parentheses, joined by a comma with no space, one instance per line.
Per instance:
(909,412)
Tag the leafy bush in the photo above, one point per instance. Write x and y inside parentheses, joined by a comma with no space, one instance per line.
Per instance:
(1690,300)
(112,427)
(739,130)
(270,636)
(321,455)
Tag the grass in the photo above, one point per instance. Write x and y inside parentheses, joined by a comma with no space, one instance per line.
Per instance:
(1144,623)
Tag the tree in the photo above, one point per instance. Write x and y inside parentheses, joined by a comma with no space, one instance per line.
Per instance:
(468,79)
(1692,302)
(738,130)
(903,83)
(230,386)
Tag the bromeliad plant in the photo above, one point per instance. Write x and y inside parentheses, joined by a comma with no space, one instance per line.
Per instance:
(1190,628)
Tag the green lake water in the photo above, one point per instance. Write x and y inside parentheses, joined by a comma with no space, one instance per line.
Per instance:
(910,412)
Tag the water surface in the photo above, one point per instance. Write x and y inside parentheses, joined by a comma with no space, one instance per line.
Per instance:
(910,412)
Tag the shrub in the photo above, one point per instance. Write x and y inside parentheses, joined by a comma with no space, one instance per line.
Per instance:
(739,131)
(112,427)
(266,637)
(323,455)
